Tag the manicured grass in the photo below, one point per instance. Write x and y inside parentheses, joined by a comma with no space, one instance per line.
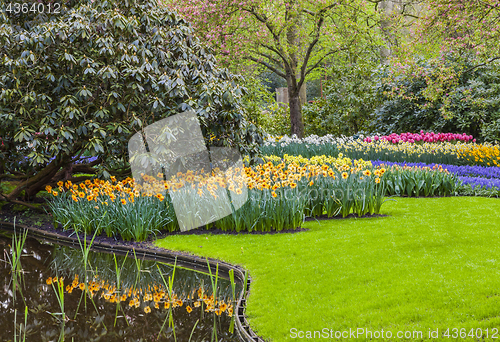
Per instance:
(433,263)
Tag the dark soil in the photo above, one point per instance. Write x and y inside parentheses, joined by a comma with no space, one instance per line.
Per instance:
(350,216)
(43,221)
(216,231)
(33,218)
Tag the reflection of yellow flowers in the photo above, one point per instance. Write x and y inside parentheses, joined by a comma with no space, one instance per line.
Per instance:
(162,299)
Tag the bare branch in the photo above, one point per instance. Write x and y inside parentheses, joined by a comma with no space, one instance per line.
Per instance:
(269,47)
(22,203)
(271,58)
(321,59)
(263,19)
(267,65)
(311,46)
(9,175)
(309,12)
(482,64)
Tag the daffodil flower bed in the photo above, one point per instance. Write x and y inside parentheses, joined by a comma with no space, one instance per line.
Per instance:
(116,208)
(281,193)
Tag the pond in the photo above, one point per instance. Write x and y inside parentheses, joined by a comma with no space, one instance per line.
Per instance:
(59,293)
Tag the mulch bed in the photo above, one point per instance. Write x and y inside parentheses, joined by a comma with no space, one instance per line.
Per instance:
(44,222)
(350,216)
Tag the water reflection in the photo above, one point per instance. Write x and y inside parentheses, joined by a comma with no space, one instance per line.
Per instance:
(111,298)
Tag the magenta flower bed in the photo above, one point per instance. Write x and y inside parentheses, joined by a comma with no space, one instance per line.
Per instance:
(422,137)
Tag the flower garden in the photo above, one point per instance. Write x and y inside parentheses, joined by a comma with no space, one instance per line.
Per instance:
(282,191)
(414,185)
(371,183)
(318,170)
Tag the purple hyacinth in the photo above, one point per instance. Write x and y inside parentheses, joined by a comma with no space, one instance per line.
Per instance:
(486,183)
(476,176)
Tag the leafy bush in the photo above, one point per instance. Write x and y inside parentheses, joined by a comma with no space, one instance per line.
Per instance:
(469,104)
(276,120)
(350,99)
(84,81)
(262,110)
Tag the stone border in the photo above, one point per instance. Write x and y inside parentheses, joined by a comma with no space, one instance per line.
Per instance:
(193,262)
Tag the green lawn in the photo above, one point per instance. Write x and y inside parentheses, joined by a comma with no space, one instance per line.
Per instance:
(432,264)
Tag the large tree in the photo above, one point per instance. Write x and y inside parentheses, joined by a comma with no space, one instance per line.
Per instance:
(292,38)
(84,80)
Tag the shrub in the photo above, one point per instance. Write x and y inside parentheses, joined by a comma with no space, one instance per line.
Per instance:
(350,99)
(470,104)
(84,81)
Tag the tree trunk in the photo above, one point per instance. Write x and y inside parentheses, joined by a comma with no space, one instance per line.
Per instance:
(44,176)
(296,123)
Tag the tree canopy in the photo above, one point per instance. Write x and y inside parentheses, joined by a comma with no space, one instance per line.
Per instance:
(455,37)
(292,38)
